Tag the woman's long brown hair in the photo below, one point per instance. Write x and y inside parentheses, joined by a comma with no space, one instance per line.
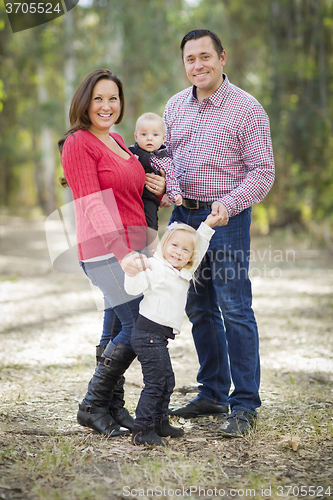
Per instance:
(78,112)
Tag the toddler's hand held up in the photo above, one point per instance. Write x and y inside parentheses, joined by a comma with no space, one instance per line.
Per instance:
(214,220)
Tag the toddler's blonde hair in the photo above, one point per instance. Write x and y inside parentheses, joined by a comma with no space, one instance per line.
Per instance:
(195,260)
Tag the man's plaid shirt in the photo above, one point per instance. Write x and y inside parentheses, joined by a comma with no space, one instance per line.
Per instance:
(221,147)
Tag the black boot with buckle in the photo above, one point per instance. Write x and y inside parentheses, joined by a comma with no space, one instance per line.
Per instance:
(94,411)
(117,404)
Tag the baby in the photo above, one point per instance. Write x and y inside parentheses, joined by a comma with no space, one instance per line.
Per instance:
(150,136)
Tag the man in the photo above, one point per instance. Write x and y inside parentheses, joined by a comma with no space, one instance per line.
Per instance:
(219,139)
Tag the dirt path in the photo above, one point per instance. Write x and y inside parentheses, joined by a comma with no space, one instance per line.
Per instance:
(50,325)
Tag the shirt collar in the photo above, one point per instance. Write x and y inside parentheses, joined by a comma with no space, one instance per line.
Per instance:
(219,95)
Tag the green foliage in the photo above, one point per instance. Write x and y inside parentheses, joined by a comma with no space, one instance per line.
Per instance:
(301,43)
(2,95)
(278,50)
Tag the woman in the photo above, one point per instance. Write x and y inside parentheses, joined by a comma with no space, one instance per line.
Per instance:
(107,182)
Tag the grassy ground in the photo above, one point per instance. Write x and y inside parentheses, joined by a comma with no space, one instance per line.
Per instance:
(49,328)
(290,448)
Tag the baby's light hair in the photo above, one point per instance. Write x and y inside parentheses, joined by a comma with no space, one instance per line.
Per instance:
(195,259)
(150,117)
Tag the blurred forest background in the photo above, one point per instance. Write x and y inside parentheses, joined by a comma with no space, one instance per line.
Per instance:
(280,51)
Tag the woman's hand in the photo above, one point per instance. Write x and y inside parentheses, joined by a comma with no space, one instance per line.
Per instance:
(133,263)
(156,183)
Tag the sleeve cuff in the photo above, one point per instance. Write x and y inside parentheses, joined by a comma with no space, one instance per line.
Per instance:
(229,204)
(205,231)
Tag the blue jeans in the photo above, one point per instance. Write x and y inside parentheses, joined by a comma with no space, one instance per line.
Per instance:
(111,326)
(109,277)
(228,343)
(152,351)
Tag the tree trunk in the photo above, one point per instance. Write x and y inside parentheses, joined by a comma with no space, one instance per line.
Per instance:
(47,149)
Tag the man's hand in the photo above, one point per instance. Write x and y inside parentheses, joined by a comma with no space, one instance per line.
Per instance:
(133,263)
(156,183)
(219,209)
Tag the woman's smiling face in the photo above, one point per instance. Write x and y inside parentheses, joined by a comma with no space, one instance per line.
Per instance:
(105,106)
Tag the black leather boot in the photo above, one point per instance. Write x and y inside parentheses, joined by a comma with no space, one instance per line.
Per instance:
(94,410)
(99,353)
(164,429)
(117,404)
(147,435)
(117,409)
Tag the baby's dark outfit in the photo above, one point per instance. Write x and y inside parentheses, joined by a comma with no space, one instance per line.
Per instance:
(151,202)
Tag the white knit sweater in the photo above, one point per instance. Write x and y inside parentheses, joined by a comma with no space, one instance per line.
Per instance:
(165,288)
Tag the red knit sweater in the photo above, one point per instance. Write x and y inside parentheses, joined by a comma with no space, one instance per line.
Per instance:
(107,190)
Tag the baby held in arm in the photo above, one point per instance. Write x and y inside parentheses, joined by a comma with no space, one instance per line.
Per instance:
(150,150)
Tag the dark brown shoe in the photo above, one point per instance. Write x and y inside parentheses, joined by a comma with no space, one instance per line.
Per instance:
(199,407)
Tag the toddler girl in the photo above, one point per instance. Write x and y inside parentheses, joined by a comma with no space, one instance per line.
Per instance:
(164,286)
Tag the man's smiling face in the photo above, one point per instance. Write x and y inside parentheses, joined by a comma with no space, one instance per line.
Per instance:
(203,65)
